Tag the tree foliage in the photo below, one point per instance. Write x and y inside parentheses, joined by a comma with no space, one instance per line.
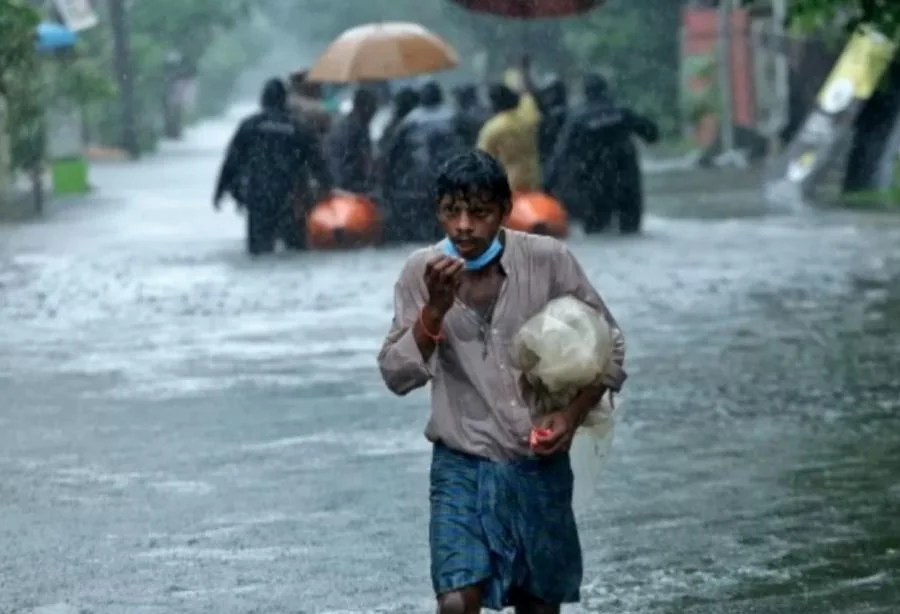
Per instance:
(18,55)
(813,15)
(21,82)
(188,27)
(635,44)
(160,31)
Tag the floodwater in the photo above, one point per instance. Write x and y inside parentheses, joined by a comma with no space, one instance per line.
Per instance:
(184,430)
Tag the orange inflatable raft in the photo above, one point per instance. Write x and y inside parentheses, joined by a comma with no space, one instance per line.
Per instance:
(343,221)
(538,213)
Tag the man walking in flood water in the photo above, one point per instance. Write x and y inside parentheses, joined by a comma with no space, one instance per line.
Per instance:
(348,146)
(595,167)
(269,162)
(502,529)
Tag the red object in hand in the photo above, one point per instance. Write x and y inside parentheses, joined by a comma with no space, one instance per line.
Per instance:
(539,435)
(530,9)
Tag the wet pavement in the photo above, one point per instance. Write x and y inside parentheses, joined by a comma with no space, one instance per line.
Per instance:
(183,430)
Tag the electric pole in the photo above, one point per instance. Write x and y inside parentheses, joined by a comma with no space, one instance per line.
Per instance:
(782,69)
(726,120)
(118,17)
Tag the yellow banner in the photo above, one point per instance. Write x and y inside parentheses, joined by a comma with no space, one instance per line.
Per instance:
(858,71)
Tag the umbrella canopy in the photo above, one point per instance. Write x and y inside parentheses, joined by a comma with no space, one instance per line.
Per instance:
(530,9)
(52,36)
(383,51)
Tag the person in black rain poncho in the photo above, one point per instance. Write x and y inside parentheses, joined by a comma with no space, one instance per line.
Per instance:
(425,139)
(405,101)
(555,108)
(471,114)
(271,159)
(595,170)
(349,145)
(393,169)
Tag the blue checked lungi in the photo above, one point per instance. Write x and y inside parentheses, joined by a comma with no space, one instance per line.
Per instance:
(504,526)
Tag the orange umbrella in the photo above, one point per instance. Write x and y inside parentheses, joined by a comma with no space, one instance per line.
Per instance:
(383,51)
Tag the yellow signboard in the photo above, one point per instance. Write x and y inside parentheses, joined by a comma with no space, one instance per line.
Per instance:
(851,83)
(858,71)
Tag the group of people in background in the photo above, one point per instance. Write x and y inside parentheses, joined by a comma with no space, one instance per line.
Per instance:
(296,149)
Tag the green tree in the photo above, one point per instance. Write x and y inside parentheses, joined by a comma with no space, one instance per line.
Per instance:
(224,59)
(189,28)
(813,15)
(20,81)
(635,43)
(161,30)
(18,21)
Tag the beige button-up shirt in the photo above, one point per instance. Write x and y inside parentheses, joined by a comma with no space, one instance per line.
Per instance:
(479,404)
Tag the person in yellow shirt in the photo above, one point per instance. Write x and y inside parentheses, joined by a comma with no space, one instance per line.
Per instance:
(511,135)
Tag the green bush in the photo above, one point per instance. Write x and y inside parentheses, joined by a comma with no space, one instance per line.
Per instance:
(21,82)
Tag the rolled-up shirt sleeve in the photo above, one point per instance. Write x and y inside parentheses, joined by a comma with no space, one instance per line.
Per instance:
(571,280)
(400,360)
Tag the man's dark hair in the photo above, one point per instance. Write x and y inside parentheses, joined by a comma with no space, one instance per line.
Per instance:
(274,95)
(474,174)
(300,84)
(365,101)
(405,100)
(502,98)
(431,95)
(466,95)
(596,87)
(554,93)
(298,78)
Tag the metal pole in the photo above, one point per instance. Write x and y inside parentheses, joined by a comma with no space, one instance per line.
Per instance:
(118,16)
(782,69)
(726,119)
(683,84)
(5,162)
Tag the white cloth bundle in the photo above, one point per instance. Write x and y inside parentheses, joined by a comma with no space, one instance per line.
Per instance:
(561,350)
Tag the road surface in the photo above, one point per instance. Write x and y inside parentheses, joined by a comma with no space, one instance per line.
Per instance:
(184,430)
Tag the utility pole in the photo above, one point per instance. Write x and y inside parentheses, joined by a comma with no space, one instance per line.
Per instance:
(118,17)
(726,119)
(782,69)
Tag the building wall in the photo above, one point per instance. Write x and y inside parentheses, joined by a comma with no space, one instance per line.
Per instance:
(700,39)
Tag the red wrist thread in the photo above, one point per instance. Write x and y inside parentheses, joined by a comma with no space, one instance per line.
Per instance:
(436,337)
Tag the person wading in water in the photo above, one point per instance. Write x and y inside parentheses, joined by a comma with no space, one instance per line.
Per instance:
(272,159)
(502,529)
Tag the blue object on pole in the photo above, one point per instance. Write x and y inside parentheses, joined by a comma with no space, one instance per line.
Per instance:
(51,36)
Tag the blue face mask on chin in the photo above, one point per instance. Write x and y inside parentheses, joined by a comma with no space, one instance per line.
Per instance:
(476,264)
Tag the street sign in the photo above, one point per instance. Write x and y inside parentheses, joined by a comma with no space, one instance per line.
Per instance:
(78,15)
(851,83)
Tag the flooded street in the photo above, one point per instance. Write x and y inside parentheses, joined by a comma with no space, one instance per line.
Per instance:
(185,430)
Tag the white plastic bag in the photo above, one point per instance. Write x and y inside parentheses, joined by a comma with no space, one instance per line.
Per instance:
(562,349)
(591,449)
(565,347)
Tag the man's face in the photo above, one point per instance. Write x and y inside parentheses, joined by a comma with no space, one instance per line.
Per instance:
(471,222)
